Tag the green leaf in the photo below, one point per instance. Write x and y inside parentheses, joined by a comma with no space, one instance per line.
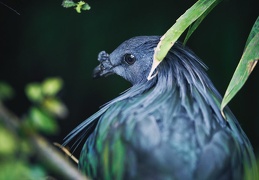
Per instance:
(34,92)
(15,169)
(68,3)
(42,121)
(56,107)
(6,91)
(7,141)
(18,168)
(245,67)
(51,86)
(182,23)
(86,7)
(79,6)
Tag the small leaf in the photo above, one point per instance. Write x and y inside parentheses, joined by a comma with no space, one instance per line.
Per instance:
(86,7)
(19,168)
(79,6)
(7,141)
(51,86)
(42,121)
(6,91)
(15,169)
(55,107)
(68,3)
(34,92)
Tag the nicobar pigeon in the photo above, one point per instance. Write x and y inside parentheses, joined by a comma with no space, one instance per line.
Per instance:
(166,128)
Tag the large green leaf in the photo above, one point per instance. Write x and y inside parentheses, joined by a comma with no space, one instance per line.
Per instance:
(245,66)
(201,7)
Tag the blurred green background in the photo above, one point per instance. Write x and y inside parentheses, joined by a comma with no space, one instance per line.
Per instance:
(47,40)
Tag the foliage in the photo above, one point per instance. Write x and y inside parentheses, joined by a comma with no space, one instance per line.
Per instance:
(16,153)
(81,5)
(47,106)
(15,156)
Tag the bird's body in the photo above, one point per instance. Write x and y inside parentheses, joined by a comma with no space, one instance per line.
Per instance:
(169,127)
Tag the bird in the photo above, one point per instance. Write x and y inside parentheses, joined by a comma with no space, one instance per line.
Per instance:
(167,127)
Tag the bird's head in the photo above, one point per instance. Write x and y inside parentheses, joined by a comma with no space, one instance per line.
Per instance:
(132,60)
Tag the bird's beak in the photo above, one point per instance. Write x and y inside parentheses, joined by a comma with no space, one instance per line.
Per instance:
(105,68)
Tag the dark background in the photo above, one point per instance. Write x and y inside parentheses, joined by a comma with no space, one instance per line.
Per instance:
(48,40)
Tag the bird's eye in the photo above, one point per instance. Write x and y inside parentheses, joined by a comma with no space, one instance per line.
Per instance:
(129,59)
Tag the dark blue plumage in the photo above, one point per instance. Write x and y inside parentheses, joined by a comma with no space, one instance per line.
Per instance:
(169,127)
